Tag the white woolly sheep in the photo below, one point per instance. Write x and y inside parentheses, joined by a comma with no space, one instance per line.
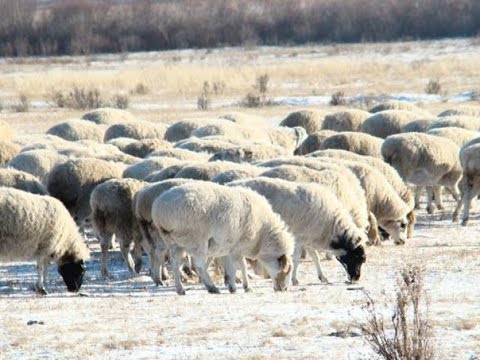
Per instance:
(152,242)
(169,172)
(21,180)
(121,143)
(388,122)
(75,129)
(313,142)
(461,121)
(395,105)
(108,116)
(39,227)
(206,144)
(236,174)
(211,220)
(458,135)
(6,132)
(249,152)
(37,162)
(183,129)
(42,141)
(142,148)
(180,154)
(205,171)
(317,219)
(419,125)
(72,183)
(148,166)
(136,130)
(310,120)
(466,110)
(8,150)
(424,160)
(112,213)
(348,120)
(358,143)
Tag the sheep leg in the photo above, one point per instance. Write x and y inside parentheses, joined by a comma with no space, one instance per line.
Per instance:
(230,274)
(42,268)
(418,194)
(430,195)
(137,252)
(242,263)
(125,250)
(297,254)
(176,257)
(200,264)
(411,223)
(460,201)
(157,264)
(314,255)
(437,191)
(105,242)
(373,235)
(468,194)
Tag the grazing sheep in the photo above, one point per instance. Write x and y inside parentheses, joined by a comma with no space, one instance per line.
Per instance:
(317,219)
(121,143)
(236,174)
(42,141)
(205,171)
(310,120)
(142,148)
(148,166)
(8,150)
(6,132)
(388,122)
(395,105)
(22,181)
(461,121)
(470,161)
(458,135)
(211,220)
(348,120)
(72,183)
(75,129)
(424,160)
(465,110)
(108,116)
(313,142)
(183,129)
(249,153)
(112,213)
(180,154)
(207,144)
(358,143)
(37,162)
(288,138)
(169,172)
(38,227)
(419,125)
(136,130)
(152,241)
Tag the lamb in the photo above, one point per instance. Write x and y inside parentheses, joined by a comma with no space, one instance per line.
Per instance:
(108,116)
(313,142)
(72,183)
(419,125)
(458,135)
(39,227)
(461,121)
(142,148)
(112,213)
(75,129)
(148,166)
(180,154)
(8,150)
(6,132)
(136,130)
(310,120)
(388,122)
(424,160)
(21,180)
(211,220)
(348,120)
(358,143)
(39,163)
(470,161)
(317,219)
(236,174)
(183,129)
(461,110)
(152,241)
(205,171)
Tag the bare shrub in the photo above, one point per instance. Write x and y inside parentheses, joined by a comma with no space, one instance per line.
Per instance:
(120,101)
(252,100)
(23,104)
(411,335)
(338,98)
(261,84)
(77,98)
(433,87)
(218,87)
(140,89)
(205,98)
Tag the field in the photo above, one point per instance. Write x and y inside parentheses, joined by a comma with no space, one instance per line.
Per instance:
(128,317)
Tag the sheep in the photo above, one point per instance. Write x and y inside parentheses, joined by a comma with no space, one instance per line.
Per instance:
(21,180)
(470,161)
(394,105)
(348,120)
(288,138)
(313,142)
(388,122)
(317,219)
(183,129)
(169,172)
(108,116)
(358,143)
(112,213)
(310,120)
(43,141)
(458,135)
(39,227)
(390,174)
(142,148)
(249,153)
(121,143)
(419,125)
(424,160)
(461,121)
(236,174)
(205,171)
(180,154)
(75,129)
(6,132)
(135,130)
(37,162)
(148,166)
(461,110)
(211,220)
(72,183)
(142,210)
(8,150)
(205,144)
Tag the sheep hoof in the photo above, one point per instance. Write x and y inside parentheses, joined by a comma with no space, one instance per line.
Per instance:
(430,210)
(232,290)
(248,289)
(464,222)
(158,282)
(181,292)
(295,282)
(138,268)
(40,291)
(323,279)
(213,290)
(440,207)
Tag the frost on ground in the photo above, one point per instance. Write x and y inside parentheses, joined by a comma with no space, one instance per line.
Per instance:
(128,317)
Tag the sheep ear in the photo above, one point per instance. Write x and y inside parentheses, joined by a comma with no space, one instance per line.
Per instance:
(284,264)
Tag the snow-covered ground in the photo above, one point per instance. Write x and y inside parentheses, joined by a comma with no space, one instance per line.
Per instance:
(128,317)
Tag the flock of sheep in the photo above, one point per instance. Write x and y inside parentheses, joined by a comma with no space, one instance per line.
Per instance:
(230,189)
